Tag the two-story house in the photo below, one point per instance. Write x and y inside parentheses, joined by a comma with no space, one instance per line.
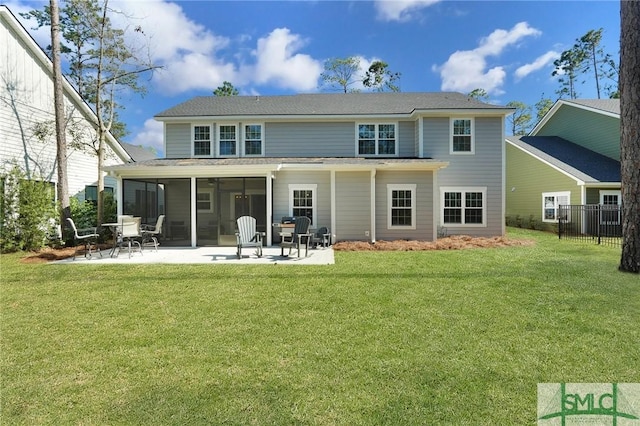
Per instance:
(27,138)
(370,166)
(571,157)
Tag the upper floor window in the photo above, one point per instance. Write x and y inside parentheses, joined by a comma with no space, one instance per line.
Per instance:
(464,206)
(228,140)
(462,136)
(401,201)
(377,139)
(253,139)
(201,140)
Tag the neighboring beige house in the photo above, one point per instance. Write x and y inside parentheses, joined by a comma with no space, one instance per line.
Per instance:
(370,166)
(27,108)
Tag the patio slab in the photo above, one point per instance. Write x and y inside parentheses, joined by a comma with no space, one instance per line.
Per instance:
(209,255)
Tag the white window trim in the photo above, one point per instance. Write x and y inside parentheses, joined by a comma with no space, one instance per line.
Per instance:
(473,136)
(218,139)
(397,142)
(193,140)
(556,195)
(314,197)
(463,190)
(244,139)
(618,193)
(401,187)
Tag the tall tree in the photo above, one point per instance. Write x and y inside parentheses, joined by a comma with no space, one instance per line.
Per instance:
(630,133)
(341,73)
(596,60)
(568,67)
(542,107)
(227,89)
(58,95)
(479,94)
(103,63)
(379,77)
(520,119)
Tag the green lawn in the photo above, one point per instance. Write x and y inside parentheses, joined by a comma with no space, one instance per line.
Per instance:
(459,337)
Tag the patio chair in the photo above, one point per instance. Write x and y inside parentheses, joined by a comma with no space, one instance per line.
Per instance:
(321,237)
(247,236)
(150,233)
(86,237)
(130,234)
(300,237)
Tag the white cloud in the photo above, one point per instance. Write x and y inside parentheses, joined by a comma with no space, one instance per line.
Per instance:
(151,135)
(539,63)
(467,70)
(277,62)
(400,10)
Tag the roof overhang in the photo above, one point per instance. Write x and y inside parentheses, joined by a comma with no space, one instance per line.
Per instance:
(185,168)
(415,114)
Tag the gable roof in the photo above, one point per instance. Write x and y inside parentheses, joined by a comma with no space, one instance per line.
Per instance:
(582,163)
(138,153)
(330,105)
(69,91)
(608,107)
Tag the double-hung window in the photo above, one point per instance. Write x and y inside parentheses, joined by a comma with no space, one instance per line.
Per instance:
(462,136)
(464,206)
(401,201)
(550,203)
(302,201)
(377,139)
(253,139)
(201,141)
(228,140)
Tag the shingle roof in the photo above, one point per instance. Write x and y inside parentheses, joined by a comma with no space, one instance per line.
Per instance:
(584,164)
(138,153)
(326,104)
(607,105)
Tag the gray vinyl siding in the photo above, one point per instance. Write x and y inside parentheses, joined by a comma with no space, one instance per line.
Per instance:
(482,169)
(323,197)
(406,139)
(424,205)
(597,132)
(178,137)
(310,139)
(353,206)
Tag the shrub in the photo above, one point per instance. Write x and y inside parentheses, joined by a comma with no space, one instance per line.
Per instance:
(29,216)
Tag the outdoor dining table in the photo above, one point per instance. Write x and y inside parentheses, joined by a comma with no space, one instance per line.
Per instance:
(115,230)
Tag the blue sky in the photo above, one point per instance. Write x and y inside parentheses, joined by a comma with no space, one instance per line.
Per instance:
(268,47)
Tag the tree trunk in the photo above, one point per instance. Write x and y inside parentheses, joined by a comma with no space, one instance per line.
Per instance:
(630,133)
(61,139)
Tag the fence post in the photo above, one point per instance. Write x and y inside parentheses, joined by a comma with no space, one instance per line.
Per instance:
(599,224)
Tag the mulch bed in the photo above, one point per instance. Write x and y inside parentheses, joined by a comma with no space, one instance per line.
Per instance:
(457,242)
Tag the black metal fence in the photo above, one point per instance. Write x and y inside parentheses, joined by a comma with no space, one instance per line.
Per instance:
(597,223)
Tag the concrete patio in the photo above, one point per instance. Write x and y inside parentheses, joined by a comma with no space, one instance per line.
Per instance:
(208,255)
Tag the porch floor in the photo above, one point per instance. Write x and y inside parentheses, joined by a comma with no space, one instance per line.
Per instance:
(211,255)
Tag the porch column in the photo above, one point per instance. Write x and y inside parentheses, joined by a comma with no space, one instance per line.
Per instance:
(194,197)
(120,196)
(372,232)
(333,206)
(269,197)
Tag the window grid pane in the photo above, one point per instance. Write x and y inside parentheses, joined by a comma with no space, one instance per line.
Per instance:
(201,140)
(303,203)
(401,214)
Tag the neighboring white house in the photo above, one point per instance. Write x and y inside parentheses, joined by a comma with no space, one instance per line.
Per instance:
(27,110)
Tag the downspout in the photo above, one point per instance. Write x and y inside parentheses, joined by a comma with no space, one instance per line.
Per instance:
(372,232)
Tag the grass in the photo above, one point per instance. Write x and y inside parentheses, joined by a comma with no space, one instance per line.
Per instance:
(458,337)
